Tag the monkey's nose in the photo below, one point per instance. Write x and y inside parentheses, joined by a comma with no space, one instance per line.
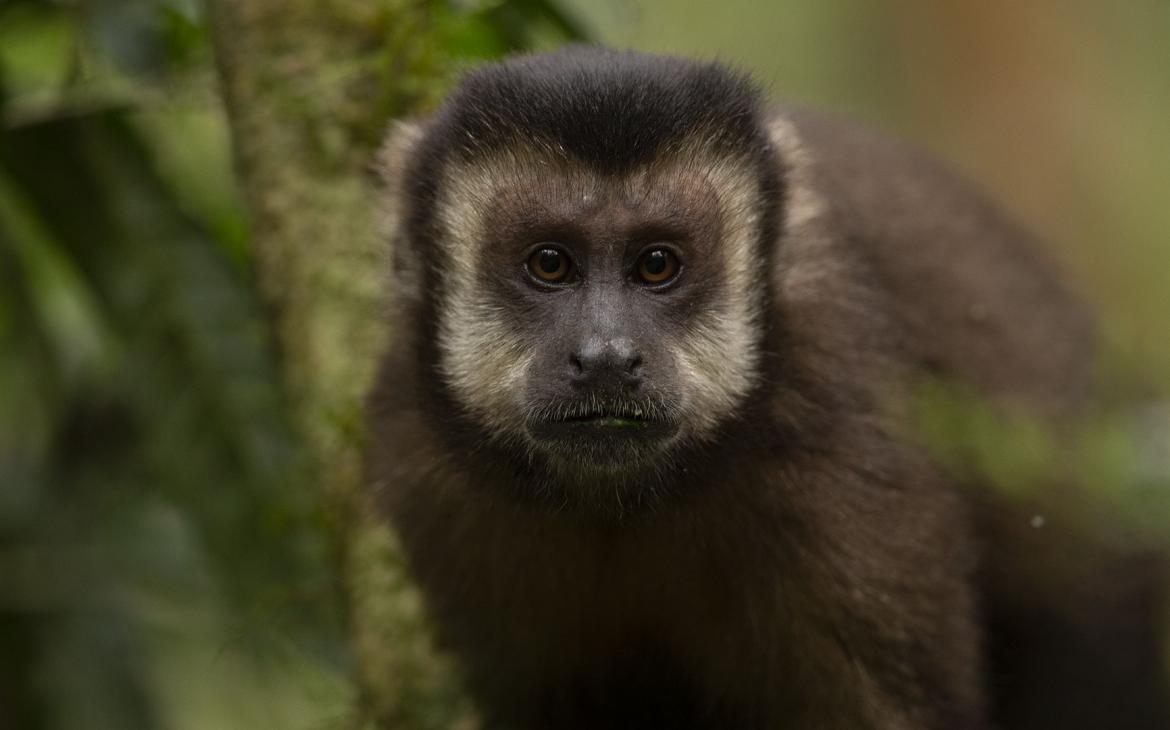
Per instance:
(613,363)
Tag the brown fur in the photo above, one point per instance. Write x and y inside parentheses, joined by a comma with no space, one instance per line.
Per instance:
(819,570)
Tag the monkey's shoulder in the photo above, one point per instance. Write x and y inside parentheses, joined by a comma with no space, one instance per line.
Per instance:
(969,291)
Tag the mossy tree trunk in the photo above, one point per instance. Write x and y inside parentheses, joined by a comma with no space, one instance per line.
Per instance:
(308,86)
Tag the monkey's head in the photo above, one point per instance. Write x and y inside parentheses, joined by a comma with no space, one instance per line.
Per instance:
(587,234)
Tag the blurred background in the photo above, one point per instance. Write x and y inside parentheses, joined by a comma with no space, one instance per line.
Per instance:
(163,563)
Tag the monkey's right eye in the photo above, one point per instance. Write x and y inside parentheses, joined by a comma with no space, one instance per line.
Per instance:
(549,265)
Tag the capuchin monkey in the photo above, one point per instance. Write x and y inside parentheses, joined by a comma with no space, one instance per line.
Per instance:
(647,426)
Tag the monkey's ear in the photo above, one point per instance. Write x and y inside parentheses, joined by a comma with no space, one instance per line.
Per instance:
(392,164)
(401,139)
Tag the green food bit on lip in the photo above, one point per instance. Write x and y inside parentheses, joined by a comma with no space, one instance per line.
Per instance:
(620,422)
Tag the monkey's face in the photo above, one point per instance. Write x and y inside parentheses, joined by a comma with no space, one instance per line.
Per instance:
(599,320)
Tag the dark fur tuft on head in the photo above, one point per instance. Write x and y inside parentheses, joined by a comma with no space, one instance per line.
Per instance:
(611,109)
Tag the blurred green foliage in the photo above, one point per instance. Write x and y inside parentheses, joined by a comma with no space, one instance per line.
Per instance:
(160,563)
(163,563)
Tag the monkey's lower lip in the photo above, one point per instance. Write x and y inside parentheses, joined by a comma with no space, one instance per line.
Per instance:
(603,425)
(605,420)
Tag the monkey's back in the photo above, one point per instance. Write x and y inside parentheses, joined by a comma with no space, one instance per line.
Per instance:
(1073,627)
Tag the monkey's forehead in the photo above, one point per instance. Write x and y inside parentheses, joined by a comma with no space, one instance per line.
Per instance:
(691,181)
(616,110)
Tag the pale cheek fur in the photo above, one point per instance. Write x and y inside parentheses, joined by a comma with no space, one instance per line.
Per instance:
(718,359)
(482,361)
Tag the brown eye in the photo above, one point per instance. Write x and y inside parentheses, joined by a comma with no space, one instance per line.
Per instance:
(549,265)
(657,266)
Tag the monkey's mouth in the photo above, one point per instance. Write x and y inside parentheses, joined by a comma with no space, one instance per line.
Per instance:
(610,417)
(599,420)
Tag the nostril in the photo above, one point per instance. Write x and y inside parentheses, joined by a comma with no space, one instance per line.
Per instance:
(634,365)
(575,366)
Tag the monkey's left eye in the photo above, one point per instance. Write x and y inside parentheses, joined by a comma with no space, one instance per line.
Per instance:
(549,265)
(657,266)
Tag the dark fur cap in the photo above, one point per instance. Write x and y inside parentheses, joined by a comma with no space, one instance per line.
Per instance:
(612,109)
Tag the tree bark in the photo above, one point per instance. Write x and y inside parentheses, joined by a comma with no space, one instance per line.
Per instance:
(308,86)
